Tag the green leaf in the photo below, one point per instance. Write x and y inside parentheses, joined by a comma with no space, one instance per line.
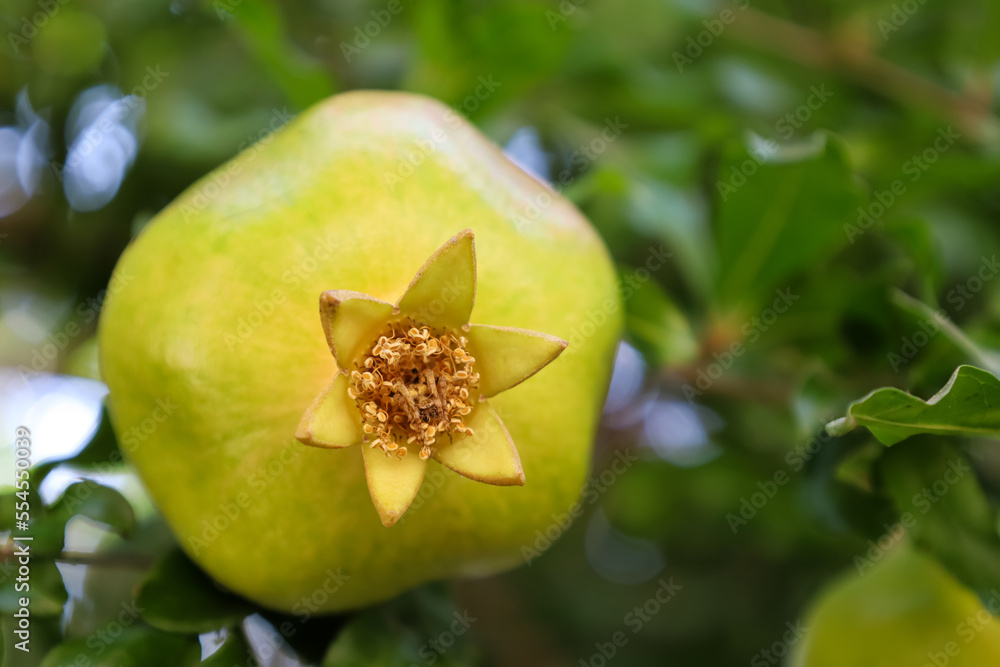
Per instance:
(308,635)
(944,509)
(97,502)
(102,450)
(47,525)
(658,328)
(969,405)
(178,597)
(44,635)
(780,213)
(422,627)
(234,651)
(46,593)
(135,646)
(676,215)
(915,239)
(103,446)
(261,24)
(985,358)
(8,502)
(372,641)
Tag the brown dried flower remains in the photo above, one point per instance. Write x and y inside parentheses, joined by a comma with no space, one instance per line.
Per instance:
(414,387)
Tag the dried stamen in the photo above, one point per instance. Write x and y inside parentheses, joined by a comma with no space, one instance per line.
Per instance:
(413,387)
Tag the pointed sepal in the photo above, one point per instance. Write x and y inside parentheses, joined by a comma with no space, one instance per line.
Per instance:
(506,357)
(444,290)
(333,420)
(489,455)
(392,482)
(350,322)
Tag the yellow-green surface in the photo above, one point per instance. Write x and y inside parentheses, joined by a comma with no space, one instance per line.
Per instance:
(904,611)
(220,324)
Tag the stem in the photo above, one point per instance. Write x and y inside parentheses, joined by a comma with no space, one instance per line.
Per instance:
(107,559)
(100,559)
(813,49)
(956,335)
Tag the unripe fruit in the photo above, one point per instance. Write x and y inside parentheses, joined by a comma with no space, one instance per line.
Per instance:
(214,352)
(905,609)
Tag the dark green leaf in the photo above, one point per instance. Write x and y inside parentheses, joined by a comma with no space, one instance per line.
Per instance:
(308,635)
(371,640)
(44,635)
(46,593)
(178,597)
(261,25)
(133,646)
(97,502)
(780,213)
(8,502)
(969,405)
(986,358)
(102,450)
(422,627)
(103,446)
(658,328)
(234,652)
(944,509)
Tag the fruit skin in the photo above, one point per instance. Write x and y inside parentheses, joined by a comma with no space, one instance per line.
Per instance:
(219,323)
(904,610)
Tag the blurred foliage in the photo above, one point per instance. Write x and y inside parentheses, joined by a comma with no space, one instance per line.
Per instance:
(823,178)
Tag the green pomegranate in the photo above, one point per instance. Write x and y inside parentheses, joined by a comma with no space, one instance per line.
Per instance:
(338,361)
(904,610)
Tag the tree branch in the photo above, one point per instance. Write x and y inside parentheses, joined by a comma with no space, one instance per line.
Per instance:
(969,112)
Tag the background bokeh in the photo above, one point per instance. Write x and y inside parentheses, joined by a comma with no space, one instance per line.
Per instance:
(839,158)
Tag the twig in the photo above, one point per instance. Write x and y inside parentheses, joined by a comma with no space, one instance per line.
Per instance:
(100,559)
(814,49)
